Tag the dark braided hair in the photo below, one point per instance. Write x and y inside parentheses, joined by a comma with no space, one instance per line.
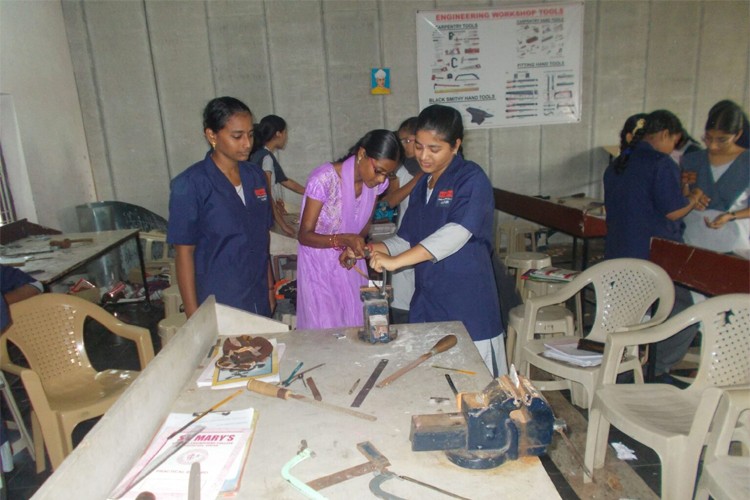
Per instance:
(652,123)
(266,129)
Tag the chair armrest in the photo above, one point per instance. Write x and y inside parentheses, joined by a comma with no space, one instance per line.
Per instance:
(5,363)
(142,338)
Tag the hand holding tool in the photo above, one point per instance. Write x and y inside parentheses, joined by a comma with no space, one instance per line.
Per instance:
(267,389)
(442,345)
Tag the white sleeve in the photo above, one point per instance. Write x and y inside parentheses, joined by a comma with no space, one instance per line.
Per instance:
(268,164)
(446,241)
(396,245)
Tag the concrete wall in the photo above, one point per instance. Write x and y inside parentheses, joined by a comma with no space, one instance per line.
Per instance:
(42,127)
(145,69)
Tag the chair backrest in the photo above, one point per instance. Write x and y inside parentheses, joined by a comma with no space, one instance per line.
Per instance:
(625,290)
(48,329)
(725,340)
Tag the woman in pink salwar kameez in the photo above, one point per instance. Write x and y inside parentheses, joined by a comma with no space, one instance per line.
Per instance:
(336,212)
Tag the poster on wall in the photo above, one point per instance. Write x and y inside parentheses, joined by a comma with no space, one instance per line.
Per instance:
(503,67)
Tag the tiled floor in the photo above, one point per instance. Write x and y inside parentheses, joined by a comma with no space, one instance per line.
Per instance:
(105,350)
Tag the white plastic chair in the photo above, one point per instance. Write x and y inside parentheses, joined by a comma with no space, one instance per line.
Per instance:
(672,421)
(625,290)
(725,476)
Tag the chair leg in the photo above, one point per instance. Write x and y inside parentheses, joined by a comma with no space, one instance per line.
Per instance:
(677,477)
(36,430)
(510,345)
(596,441)
(579,395)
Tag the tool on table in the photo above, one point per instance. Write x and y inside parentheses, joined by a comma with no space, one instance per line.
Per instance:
(203,414)
(286,472)
(161,458)
(299,375)
(451,384)
(509,419)
(267,389)
(375,461)
(288,380)
(194,482)
(376,485)
(465,372)
(369,384)
(314,389)
(67,243)
(442,345)
(375,308)
(354,385)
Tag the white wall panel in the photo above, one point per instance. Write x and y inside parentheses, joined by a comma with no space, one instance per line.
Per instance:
(128,101)
(182,68)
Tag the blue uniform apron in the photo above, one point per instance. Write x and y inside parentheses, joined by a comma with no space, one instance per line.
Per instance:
(460,287)
(231,238)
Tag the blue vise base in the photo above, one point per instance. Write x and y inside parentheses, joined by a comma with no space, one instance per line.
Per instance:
(503,422)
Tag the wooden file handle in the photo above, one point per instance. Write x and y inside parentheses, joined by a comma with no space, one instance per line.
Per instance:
(267,389)
(444,344)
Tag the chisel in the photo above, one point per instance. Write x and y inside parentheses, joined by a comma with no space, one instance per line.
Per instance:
(267,389)
(442,345)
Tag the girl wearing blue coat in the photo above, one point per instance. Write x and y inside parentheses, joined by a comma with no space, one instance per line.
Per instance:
(219,217)
(446,235)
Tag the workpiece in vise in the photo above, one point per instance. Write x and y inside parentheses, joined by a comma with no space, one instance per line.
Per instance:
(375,305)
(507,420)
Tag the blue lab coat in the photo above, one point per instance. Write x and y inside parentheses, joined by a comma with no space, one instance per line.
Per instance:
(231,238)
(460,287)
(638,200)
(10,279)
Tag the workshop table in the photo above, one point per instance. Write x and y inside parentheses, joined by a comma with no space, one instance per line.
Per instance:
(168,385)
(578,217)
(50,267)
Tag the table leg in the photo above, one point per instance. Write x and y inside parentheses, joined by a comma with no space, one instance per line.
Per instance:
(143,267)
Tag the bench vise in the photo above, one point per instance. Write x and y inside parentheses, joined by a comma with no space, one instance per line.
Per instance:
(376,308)
(507,420)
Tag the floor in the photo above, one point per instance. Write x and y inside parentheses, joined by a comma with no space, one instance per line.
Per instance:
(106,350)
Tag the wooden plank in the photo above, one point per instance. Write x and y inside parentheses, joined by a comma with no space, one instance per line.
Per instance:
(613,481)
(569,220)
(708,272)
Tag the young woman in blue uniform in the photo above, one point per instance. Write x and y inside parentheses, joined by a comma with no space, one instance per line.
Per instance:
(271,135)
(644,199)
(446,234)
(219,217)
(642,189)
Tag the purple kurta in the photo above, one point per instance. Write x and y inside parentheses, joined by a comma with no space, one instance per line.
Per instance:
(328,294)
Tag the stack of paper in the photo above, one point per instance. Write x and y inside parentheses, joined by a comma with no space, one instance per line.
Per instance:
(566,349)
(550,274)
(221,448)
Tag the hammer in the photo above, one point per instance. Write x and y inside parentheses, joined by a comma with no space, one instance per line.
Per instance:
(67,243)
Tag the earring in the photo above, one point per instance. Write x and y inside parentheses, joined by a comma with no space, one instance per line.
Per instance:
(213,145)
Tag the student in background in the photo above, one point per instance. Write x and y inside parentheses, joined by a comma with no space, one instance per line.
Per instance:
(15,286)
(271,134)
(220,216)
(447,234)
(722,171)
(336,212)
(642,190)
(397,194)
(644,199)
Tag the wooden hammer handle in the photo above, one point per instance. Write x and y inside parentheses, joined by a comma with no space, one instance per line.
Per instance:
(267,389)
